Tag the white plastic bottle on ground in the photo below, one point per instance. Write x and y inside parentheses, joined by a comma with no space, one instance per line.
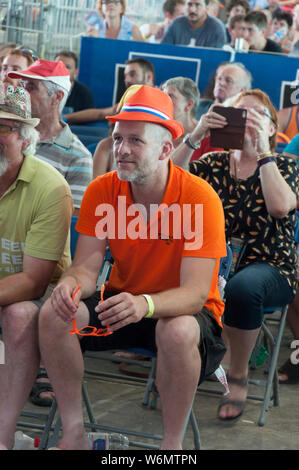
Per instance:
(108,441)
(24,442)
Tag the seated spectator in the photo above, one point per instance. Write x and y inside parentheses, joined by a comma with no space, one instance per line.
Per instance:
(48,84)
(288,121)
(281,30)
(14,60)
(255,26)
(230,79)
(143,306)
(184,95)
(197,28)
(171,10)
(115,24)
(197,143)
(35,210)
(4,48)
(235,7)
(80,96)
(259,194)
(236,27)
(137,70)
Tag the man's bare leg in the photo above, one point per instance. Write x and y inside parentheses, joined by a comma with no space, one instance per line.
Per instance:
(178,372)
(19,328)
(62,356)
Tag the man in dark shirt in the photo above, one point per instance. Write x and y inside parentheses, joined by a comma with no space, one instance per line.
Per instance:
(197,28)
(254,28)
(80,96)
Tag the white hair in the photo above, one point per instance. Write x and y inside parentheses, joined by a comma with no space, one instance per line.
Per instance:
(28,132)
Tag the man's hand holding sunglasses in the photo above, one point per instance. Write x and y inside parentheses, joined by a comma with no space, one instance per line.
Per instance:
(121,310)
(65,298)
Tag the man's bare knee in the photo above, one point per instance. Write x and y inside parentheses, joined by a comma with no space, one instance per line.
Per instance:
(177,332)
(18,318)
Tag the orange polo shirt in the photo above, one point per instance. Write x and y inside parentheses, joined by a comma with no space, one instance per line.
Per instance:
(147,254)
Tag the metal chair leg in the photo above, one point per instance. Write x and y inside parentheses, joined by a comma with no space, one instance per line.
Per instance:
(273,367)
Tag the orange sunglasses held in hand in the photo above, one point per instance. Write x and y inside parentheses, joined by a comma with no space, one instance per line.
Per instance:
(89,330)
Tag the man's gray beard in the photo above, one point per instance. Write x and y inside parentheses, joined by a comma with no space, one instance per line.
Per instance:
(136,177)
(3,164)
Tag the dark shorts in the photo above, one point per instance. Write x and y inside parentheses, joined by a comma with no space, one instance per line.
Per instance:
(142,335)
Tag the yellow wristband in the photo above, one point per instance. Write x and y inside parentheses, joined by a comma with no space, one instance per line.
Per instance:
(151,307)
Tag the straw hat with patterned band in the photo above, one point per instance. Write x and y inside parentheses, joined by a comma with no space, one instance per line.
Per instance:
(15,104)
(55,72)
(150,104)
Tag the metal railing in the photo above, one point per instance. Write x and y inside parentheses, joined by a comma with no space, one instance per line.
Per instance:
(47,26)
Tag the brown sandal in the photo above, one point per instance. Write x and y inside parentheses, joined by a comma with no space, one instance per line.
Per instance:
(238,404)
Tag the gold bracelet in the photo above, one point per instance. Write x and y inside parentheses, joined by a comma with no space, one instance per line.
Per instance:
(260,156)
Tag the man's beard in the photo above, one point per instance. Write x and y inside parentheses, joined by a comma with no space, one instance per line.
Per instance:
(136,176)
(3,164)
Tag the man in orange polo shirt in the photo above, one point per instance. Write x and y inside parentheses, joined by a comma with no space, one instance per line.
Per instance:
(165,230)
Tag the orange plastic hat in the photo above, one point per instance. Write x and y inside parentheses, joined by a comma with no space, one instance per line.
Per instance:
(150,104)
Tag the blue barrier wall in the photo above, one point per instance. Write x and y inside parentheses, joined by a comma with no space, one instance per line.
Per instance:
(99,59)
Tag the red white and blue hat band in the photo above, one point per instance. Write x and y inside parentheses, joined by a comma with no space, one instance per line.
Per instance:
(145,109)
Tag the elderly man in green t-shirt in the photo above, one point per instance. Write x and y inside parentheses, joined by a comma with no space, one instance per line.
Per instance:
(35,212)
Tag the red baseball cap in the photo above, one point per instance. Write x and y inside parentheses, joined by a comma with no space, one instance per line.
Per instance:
(49,70)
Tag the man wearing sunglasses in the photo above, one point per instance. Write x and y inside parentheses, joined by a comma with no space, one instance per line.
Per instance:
(35,212)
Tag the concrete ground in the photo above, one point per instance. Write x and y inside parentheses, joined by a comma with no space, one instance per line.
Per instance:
(117,402)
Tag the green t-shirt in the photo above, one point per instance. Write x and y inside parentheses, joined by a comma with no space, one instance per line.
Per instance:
(35,215)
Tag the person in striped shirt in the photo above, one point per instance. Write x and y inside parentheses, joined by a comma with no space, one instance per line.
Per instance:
(48,83)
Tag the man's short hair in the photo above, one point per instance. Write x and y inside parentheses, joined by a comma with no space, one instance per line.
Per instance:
(258,18)
(145,64)
(187,88)
(69,55)
(234,3)
(247,75)
(235,19)
(283,16)
(169,6)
